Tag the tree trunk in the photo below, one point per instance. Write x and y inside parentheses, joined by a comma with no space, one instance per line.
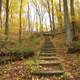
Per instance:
(29,29)
(20,27)
(7,19)
(36,20)
(72,16)
(49,15)
(60,18)
(67,24)
(53,23)
(1,14)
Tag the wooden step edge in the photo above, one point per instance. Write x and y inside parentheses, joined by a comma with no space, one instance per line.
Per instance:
(53,57)
(47,51)
(48,48)
(48,73)
(47,54)
(50,63)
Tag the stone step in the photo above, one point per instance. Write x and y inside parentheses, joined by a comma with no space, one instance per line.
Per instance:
(50,67)
(50,63)
(47,51)
(55,60)
(47,54)
(48,43)
(48,46)
(50,49)
(49,58)
(61,77)
(47,40)
(49,73)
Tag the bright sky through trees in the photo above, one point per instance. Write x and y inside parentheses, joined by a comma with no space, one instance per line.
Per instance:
(33,15)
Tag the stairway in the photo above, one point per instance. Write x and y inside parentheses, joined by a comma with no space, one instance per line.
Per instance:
(50,67)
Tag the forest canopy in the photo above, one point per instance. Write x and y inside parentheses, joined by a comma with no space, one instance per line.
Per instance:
(17,17)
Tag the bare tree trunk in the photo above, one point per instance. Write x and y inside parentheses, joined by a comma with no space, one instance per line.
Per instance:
(72,16)
(36,20)
(28,20)
(11,16)
(1,14)
(40,22)
(20,27)
(53,23)
(7,20)
(67,24)
(60,18)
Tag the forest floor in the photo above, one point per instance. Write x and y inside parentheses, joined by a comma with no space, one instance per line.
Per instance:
(71,61)
(20,70)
